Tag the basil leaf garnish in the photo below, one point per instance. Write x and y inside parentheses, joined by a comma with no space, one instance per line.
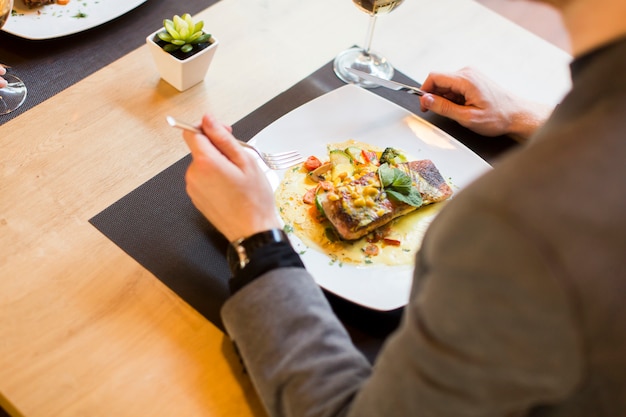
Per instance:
(399,185)
(386,175)
(413,198)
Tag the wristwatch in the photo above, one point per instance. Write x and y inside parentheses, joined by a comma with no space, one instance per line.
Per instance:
(240,251)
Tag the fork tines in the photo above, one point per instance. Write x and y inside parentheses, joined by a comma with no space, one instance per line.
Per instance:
(282,160)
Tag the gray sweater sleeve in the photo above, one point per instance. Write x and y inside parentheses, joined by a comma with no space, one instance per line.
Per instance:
(298,355)
(487,332)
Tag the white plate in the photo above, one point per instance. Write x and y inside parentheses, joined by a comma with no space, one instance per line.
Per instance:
(53,20)
(351,112)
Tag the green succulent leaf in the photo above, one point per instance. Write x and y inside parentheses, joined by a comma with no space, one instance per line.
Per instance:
(169,26)
(194,37)
(182,33)
(164,36)
(204,38)
(173,33)
(188,20)
(170,47)
(178,21)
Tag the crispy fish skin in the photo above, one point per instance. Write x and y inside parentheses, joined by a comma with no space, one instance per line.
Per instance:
(428,180)
(356,210)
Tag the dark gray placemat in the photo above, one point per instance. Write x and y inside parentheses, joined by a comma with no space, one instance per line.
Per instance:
(158,226)
(47,67)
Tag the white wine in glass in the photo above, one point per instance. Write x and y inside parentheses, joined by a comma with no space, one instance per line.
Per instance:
(14,94)
(364,59)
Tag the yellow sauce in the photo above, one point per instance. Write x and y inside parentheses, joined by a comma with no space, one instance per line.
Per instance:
(408,229)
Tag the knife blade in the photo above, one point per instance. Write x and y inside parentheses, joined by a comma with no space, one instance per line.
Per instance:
(393,85)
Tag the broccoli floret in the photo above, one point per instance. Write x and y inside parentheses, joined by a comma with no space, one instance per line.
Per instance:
(392,157)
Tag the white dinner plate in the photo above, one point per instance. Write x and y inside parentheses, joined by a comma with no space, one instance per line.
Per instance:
(351,112)
(53,20)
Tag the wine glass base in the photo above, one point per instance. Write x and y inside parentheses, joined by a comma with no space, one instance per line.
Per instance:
(13,95)
(370,63)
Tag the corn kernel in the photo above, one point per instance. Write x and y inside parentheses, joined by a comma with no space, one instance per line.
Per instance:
(359,202)
(332,197)
(370,191)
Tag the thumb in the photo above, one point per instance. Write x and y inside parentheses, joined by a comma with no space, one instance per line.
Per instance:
(441,106)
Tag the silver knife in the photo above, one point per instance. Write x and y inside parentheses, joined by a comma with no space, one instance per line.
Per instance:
(393,85)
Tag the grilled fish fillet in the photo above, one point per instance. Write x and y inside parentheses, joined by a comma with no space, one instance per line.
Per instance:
(359,207)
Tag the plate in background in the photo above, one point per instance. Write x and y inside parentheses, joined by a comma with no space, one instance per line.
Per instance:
(54,21)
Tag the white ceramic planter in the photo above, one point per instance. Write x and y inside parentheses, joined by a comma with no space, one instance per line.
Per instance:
(182,74)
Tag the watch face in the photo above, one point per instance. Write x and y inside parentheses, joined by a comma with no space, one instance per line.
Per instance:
(242,254)
(232,257)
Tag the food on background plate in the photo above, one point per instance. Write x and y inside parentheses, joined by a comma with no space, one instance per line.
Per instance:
(37,3)
(363,204)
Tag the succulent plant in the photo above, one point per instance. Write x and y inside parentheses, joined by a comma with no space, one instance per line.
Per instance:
(182,33)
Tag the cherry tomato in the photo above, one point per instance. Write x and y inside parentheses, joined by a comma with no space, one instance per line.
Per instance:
(370,157)
(312,163)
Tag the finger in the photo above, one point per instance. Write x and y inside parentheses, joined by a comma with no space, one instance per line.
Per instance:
(445,84)
(222,138)
(437,81)
(198,144)
(3,82)
(443,107)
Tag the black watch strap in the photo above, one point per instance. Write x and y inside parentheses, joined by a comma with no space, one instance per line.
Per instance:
(241,250)
(259,254)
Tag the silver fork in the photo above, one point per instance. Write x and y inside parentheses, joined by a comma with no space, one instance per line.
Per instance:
(277,161)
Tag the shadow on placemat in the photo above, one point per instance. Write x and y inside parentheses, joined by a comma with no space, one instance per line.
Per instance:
(158,226)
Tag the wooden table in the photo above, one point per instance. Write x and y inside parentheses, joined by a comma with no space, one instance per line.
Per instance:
(85,330)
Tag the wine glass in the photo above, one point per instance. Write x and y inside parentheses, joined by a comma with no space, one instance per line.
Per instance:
(14,94)
(363,58)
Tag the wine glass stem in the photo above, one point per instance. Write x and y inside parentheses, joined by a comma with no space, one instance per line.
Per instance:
(370,34)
